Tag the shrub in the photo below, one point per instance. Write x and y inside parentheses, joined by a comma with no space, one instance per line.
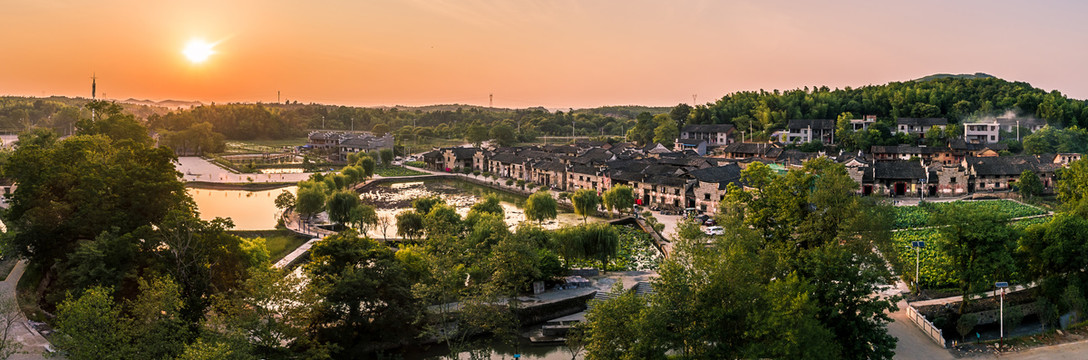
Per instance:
(509,182)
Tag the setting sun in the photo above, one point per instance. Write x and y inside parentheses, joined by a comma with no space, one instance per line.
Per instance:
(197,50)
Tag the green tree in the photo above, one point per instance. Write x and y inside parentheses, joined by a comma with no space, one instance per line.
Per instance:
(1029,185)
(979,245)
(91,327)
(1072,183)
(409,224)
(366,296)
(81,186)
(380,129)
(620,198)
(285,201)
(340,205)
(490,204)
(666,133)
(585,202)
(503,135)
(540,206)
(310,199)
(424,205)
(387,156)
(367,164)
(476,134)
(363,217)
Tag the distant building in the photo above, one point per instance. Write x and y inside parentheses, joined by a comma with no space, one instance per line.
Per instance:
(809,130)
(983,132)
(864,123)
(919,126)
(340,144)
(714,134)
(697,145)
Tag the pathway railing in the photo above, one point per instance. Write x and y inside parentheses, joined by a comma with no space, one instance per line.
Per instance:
(927,327)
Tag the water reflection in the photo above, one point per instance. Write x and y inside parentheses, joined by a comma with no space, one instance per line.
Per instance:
(250,210)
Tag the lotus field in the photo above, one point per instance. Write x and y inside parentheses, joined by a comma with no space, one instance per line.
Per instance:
(907,217)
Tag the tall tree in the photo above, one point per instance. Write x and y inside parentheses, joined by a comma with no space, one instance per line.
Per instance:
(620,198)
(585,202)
(540,206)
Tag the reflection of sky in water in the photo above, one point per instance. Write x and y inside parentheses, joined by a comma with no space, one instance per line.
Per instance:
(250,210)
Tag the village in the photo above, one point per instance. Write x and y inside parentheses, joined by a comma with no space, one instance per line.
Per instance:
(695,171)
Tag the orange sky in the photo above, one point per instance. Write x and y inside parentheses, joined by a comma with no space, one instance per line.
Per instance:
(557,54)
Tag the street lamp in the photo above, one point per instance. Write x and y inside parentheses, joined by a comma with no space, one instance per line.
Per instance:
(917,245)
(1002,285)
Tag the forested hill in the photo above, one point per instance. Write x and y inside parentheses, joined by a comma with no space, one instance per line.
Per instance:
(953,97)
(956,97)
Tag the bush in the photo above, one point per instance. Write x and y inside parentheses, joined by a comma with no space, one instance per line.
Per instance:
(418,164)
(476,172)
(965,324)
(509,182)
(521,184)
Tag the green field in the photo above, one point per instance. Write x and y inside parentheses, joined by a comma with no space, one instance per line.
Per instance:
(278,242)
(934,267)
(388,171)
(907,217)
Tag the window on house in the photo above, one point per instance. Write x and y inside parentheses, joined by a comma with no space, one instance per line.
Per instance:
(706,197)
(952,180)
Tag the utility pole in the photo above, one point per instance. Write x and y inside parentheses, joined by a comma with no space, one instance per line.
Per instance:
(277,96)
(693,97)
(352,124)
(490,100)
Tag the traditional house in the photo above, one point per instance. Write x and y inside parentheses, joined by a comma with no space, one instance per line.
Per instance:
(455,159)
(902,152)
(946,180)
(1002,172)
(549,174)
(696,145)
(899,177)
(709,186)
(746,150)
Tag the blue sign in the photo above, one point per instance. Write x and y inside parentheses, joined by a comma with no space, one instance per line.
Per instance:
(1001,284)
(918,244)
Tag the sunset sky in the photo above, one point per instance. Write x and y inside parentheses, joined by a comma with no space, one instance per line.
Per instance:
(556,54)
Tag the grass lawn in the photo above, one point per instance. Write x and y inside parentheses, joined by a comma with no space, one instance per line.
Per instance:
(278,242)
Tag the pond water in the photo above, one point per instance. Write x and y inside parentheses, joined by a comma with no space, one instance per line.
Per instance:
(392,198)
(282,171)
(250,210)
(500,350)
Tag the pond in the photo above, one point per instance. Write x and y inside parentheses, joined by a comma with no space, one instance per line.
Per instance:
(250,210)
(500,350)
(392,198)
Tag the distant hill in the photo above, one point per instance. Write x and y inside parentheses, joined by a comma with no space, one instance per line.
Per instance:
(977,75)
(172,104)
(624,111)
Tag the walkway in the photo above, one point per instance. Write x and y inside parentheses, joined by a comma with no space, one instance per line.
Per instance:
(34,345)
(195,168)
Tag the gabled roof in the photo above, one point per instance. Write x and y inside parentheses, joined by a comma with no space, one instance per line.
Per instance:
(899,170)
(462,152)
(707,128)
(903,149)
(748,148)
(551,165)
(718,174)
(814,124)
(1006,165)
(921,121)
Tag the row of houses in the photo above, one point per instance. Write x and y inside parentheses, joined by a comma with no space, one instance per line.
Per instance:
(339,145)
(705,138)
(684,179)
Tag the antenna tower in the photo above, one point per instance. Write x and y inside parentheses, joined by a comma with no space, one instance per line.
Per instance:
(490,100)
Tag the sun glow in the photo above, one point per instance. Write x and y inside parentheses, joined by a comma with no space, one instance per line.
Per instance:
(198,51)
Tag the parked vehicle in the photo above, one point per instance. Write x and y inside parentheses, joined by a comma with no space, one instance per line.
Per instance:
(714,230)
(710,222)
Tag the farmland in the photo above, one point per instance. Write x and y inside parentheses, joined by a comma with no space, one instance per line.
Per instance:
(907,217)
